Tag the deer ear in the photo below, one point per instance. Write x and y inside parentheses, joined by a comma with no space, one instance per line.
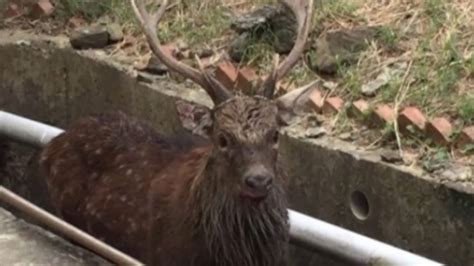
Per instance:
(194,118)
(290,103)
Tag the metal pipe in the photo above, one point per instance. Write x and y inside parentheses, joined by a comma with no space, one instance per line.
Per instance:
(68,230)
(305,231)
(345,245)
(26,130)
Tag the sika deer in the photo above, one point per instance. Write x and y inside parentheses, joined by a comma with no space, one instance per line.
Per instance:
(183,200)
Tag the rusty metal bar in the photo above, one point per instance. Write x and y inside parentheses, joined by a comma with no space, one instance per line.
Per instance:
(305,231)
(68,230)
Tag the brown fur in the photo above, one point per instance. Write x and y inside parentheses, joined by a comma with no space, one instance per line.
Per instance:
(173,201)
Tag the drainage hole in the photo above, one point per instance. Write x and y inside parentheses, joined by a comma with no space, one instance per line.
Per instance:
(359,205)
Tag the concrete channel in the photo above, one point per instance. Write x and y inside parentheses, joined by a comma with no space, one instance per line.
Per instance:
(45,80)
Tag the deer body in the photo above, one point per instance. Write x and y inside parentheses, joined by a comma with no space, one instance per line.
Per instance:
(184,200)
(156,199)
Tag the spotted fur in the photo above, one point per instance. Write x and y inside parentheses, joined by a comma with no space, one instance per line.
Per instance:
(173,201)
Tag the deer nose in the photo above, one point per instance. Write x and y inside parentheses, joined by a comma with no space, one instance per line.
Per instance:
(259,182)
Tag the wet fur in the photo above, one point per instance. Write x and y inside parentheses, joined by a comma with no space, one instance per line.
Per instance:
(162,200)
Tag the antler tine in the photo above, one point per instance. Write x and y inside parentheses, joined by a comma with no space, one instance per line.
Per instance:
(303,10)
(148,23)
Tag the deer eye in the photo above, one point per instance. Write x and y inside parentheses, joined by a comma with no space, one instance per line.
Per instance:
(222,142)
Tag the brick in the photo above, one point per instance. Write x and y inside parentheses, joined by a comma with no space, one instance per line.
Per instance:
(226,74)
(13,10)
(383,114)
(359,108)
(439,130)
(41,9)
(169,49)
(411,116)
(247,79)
(466,137)
(332,105)
(316,101)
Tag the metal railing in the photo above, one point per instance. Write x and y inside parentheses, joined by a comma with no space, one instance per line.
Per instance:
(305,231)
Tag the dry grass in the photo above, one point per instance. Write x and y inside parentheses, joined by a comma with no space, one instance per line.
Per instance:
(436,35)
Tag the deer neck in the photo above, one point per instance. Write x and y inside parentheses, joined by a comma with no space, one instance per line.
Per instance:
(235,230)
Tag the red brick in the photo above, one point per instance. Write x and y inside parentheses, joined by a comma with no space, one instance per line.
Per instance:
(466,137)
(411,116)
(359,108)
(439,130)
(384,114)
(246,79)
(13,10)
(169,49)
(226,73)
(40,9)
(316,101)
(332,105)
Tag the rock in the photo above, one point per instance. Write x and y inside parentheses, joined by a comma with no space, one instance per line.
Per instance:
(342,46)
(389,73)
(91,37)
(457,173)
(345,136)
(256,19)
(275,24)
(155,66)
(391,157)
(238,46)
(115,32)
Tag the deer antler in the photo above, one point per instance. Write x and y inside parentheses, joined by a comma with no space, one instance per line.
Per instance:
(148,23)
(303,10)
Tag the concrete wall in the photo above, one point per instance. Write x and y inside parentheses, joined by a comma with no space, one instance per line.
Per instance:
(54,85)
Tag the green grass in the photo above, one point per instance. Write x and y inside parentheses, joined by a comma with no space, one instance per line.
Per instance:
(466,108)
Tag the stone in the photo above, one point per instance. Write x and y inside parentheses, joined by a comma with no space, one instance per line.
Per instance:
(89,37)
(439,130)
(238,46)
(345,136)
(457,173)
(115,32)
(339,47)
(155,66)
(371,88)
(42,8)
(391,156)
(275,24)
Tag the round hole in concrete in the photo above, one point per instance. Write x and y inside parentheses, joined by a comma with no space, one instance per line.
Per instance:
(359,205)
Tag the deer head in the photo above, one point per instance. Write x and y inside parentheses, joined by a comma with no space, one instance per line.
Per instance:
(243,129)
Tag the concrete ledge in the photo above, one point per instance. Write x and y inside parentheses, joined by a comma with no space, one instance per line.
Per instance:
(54,84)
(24,244)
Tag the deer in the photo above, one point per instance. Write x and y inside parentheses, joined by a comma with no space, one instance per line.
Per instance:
(182,199)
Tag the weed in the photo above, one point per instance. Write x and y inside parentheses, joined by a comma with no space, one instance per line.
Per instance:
(466,108)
